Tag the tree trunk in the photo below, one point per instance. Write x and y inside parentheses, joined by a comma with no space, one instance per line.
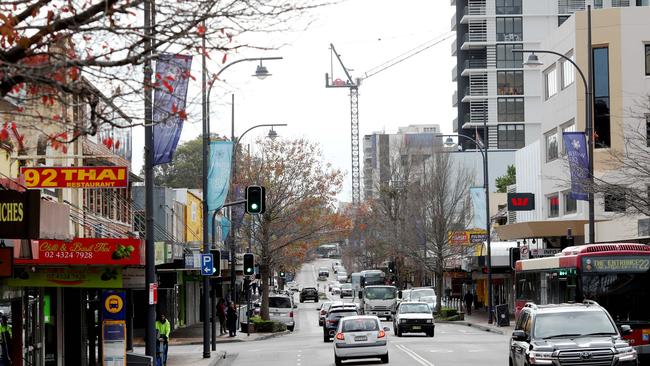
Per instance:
(264,274)
(439,293)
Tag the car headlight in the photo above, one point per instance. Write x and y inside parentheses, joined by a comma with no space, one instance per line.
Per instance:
(541,358)
(429,321)
(626,354)
(402,320)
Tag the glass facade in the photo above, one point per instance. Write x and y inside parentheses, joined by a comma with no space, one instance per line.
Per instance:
(508,6)
(510,82)
(601,98)
(510,109)
(509,29)
(506,59)
(511,136)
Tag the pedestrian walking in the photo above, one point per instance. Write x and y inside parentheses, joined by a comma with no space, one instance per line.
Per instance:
(231,317)
(5,338)
(469,299)
(221,314)
(163,328)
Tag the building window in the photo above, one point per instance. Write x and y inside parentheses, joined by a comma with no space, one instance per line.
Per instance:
(642,2)
(620,3)
(615,201)
(598,4)
(601,97)
(569,126)
(561,19)
(570,205)
(550,81)
(510,82)
(568,72)
(511,137)
(509,29)
(647,129)
(508,6)
(551,145)
(506,59)
(553,205)
(510,109)
(647,59)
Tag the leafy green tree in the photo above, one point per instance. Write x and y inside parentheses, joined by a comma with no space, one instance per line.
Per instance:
(509,178)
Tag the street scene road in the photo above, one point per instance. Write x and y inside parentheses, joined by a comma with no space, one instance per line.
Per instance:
(452,344)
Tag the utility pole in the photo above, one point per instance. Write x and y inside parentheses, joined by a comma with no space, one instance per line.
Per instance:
(206,238)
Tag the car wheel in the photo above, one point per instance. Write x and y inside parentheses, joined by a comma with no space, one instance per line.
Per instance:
(338,361)
(430,333)
(384,358)
(397,332)
(301,301)
(290,328)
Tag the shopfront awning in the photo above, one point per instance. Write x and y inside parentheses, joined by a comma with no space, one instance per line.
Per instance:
(540,229)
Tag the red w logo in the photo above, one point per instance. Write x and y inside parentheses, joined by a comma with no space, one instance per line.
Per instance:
(519,202)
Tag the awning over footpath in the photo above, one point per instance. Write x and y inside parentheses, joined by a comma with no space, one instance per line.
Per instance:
(540,229)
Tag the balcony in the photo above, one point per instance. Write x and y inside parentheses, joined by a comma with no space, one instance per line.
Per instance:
(454,48)
(454,99)
(474,40)
(455,124)
(454,73)
(474,64)
(454,22)
(472,10)
(507,10)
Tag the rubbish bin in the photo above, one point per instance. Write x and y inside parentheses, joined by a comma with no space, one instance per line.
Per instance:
(134,359)
(503,315)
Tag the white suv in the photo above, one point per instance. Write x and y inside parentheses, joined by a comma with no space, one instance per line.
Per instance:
(281,310)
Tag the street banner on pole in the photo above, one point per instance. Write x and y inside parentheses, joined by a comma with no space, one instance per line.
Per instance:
(478,204)
(576,148)
(172,79)
(219,173)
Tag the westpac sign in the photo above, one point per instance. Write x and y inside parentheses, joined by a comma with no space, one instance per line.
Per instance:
(521,201)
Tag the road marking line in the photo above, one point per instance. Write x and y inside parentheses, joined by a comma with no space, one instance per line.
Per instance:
(419,359)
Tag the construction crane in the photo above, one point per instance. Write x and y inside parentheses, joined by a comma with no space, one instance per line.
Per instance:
(353,86)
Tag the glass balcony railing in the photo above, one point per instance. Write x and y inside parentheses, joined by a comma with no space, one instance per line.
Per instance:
(475,64)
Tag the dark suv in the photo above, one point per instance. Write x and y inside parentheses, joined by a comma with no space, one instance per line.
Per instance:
(332,320)
(309,293)
(569,334)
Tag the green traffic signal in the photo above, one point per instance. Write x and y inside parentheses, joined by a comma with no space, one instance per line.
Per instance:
(255,200)
(249,264)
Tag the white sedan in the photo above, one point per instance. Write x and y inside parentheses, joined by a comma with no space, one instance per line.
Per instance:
(359,337)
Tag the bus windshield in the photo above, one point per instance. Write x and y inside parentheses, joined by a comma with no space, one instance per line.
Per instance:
(373,278)
(624,295)
(380,293)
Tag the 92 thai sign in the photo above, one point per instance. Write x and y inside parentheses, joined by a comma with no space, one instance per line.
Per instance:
(76,177)
(635,264)
(88,251)
(20,214)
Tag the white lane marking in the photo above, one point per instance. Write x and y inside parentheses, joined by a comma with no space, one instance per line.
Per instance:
(419,359)
(441,350)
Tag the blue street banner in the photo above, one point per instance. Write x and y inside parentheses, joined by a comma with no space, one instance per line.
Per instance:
(225,227)
(575,145)
(478,205)
(220,164)
(171,81)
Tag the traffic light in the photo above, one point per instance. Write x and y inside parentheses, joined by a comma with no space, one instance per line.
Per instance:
(255,200)
(391,267)
(282,274)
(249,264)
(216,257)
(515,255)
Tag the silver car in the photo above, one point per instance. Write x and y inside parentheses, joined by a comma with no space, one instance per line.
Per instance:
(359,337)
(281,310)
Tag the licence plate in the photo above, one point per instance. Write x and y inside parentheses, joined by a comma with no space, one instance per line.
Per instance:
(360,339)
(417,327)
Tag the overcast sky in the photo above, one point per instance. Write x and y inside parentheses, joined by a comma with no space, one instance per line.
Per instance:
(366,33)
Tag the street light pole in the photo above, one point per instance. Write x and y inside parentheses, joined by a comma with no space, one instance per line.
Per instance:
(206,241)
(589,121)
(483,148)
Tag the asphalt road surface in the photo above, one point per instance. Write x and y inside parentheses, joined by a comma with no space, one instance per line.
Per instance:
(452,344)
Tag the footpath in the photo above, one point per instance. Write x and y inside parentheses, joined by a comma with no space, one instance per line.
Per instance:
(479,320)
(186,345)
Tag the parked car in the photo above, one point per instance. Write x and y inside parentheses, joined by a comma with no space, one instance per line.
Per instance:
(323,273)
(424,294)
(322,311)
(338,269)
(346,290)
(331,322)
(342,276)
(335,289)
(413,317)
(569,334)
(360,337)
(309,293)
(281,310)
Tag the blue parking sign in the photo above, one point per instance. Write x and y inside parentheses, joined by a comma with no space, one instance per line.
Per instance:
(207,264)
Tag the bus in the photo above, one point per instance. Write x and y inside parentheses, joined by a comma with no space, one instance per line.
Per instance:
(372,277)
(615,275)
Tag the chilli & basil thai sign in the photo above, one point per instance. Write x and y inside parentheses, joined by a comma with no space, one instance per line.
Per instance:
(88,251)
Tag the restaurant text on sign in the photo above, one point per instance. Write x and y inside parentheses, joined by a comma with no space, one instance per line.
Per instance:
(76,177)
(88,251)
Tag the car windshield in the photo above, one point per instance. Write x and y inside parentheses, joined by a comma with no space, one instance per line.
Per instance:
(279,302)
(573,323)
(428,299)
(419,294)
(346,285)
(359,325)
(414,308)
(341,314)
(380,293)
(309,289)
(325,305)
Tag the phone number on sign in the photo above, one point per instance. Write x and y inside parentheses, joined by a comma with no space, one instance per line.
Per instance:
(68,255)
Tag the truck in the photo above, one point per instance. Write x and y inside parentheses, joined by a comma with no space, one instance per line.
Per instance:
(378,300)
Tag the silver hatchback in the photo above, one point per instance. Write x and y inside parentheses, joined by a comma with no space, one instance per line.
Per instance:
(360,337)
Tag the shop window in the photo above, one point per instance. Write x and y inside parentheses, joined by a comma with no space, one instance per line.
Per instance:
(551,145)
(553,205)
(570,205)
